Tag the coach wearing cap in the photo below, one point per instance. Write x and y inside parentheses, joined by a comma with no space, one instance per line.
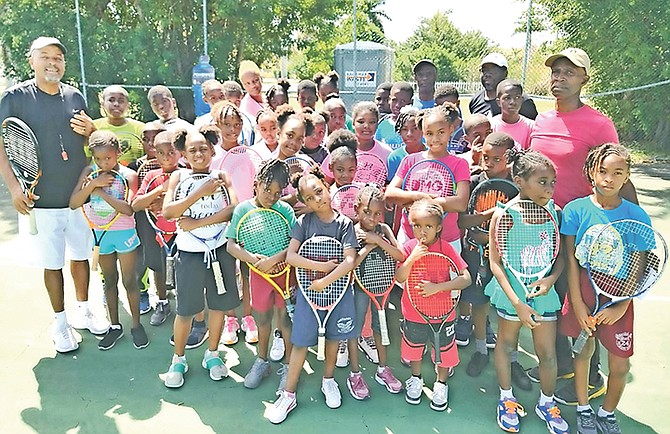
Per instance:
(425,75)
(493,70)
(55,112)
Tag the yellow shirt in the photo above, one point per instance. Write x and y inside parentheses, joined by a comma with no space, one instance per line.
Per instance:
(130,138)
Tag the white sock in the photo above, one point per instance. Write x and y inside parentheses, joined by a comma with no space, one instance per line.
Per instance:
(506,394)
(582,408)
(544,399)
(61,320)
(380,369)
(603,413)
(82,305)
(164,301)
(326,380)
(176,358)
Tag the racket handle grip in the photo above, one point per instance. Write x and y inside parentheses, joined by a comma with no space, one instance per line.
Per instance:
(321,345)
(581,340)
(383,327)
(169,270)
(218,277)
(96,258)
(436,348)
(32,223)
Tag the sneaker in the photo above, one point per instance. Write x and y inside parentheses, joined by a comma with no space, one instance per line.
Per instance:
(368,347)
(413,390)
(259,370)
(114,333)
(509,411)
(140,338)
(519,377)
(161,312)
(568,396)
(534,374)
(332,393)
(277,412)
(440,398)
(213,363)
(198,335)
(450,371)
(586,422)
(65,340)
(342,360)
(250,330)
(89,321)
(463,330)
(283,377)
(477,363)
(385,377)
(491,338)
(608,424)
(551,415)
(230,329)
(357,386)
(278,348)
(145,306)
(174,378)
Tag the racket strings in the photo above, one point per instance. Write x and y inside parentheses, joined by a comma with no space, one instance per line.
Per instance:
(344,200)
(377,271)
(264,233)
(22,152)
(431,178)
(434,268)
(98,210)
(322,250)
(370,168)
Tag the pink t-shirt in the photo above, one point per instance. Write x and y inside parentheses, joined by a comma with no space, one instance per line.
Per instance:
(408,311)
(566,138)
(250,107)
(381,150)
(520,130)
(459,167)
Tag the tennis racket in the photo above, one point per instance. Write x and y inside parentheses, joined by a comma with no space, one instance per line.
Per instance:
(99,213)
(23,153)
(130,145)
(242,164)
(146,166)
(435,309)
(344,199)
(266,232)
(296,165)
(165,229)
(206,206)
(322,249)
(376,275)
(624,260)
(370,168)
(527,240)
(486,195)
(431,177)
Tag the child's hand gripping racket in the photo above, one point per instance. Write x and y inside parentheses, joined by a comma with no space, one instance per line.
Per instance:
(330,252)
(23,154)
(99,213)
(264,233)
(431,177)
(213,197)
(165,229)
(624,260)
(438,307)
(527,240)
(344,199)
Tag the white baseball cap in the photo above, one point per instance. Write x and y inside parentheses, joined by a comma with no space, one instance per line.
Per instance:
(496,59)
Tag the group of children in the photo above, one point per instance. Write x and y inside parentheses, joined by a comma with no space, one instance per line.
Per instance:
(475,149)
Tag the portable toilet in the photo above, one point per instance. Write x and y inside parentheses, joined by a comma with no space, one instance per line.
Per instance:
(373,66)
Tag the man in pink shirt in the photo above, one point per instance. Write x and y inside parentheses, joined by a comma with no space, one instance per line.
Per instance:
(250,76)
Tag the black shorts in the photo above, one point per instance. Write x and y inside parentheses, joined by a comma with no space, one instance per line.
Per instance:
(480,272)
(151,255)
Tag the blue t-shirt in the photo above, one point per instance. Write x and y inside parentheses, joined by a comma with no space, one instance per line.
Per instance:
(341,228)
(416,102)
(386,133)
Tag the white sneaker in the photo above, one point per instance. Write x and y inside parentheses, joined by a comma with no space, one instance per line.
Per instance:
(230,329)
(277,350)
(250,330)
(368,347)
(282,407)
(342,360)
(65,340)
(93,323)
(440,397)
(413,390)
(332,393)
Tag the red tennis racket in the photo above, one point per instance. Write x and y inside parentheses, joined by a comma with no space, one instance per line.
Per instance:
(164,229)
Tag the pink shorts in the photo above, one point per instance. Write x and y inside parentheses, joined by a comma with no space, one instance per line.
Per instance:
(263,295)
(415,336)
(616,338)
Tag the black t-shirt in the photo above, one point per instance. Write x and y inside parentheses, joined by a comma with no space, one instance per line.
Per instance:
(479,104)
(49,118)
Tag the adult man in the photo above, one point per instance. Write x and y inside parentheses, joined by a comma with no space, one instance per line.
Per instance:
(55,113)
(425,75)
(250,77)
(493,70)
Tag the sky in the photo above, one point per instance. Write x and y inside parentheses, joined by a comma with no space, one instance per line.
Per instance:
(494,18)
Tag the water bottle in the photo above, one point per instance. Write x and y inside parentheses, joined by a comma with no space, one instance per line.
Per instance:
(202,72)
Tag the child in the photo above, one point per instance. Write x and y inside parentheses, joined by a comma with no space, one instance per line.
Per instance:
(114,104)
(278,94)
(337,114)
(327,84)
(314,143)
(535,176)
(232,92)
(307,94)
(510,98)
(449,93)
(382,99)
(212,92)
(371,232)
(192,274)
(266,125)
(437,125)
(476,127)
(342,161)
(426,218)
(411,136)
(607,167)
(400,96)
(250,77)
(270,181)
(164,107)
(121,240)
(313,192)
(154,256)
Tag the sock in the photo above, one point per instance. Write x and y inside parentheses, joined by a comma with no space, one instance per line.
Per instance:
(514,356)
(163,301)
(176,358)
(480,345)
(352,373)
(326,380)
(583,408)
(603,413)
(61,320)
(380,369)
(115,326)
(544,399)
(209,354)
(82,305)
(443,382)
(506,394)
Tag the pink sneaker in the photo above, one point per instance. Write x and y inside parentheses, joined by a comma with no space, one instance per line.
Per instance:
(357,386)
(230,329)
(385,377)
(250,330)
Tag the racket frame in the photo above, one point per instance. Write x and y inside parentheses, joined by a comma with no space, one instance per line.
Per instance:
(168,246)
(416,167)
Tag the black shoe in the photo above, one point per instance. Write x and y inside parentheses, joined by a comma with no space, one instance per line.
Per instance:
(477,363)
(198,335)
(114,333)
(491,338)
(519,377)
(568,396)
(534,374)
(140,338)
(463,330)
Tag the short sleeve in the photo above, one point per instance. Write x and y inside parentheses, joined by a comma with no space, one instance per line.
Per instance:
(348,233)
(298,230)
(570,220)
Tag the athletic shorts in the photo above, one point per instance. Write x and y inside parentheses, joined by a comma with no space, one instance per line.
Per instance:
(616,338)
(150,256)
(340,326)
(263,295)
(549,316)
(363,303)
(121,241)
(61,231)
(481,274)
(195,282)
(415,336)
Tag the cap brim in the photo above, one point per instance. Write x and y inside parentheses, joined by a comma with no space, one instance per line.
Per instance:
(551,59)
